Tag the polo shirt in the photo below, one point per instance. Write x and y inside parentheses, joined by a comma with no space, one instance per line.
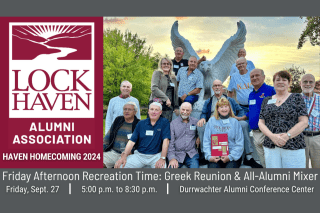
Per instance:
(255,101)
(151,144)
(189,83)
(178,65)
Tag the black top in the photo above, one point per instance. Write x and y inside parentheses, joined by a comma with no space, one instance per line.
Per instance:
(117,123)
(280,119)
(181,63)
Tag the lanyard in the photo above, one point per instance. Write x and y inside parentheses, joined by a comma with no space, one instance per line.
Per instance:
(312,104)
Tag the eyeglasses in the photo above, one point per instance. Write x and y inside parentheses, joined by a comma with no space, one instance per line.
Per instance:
(306,82)
(128,109)
(166,64)
(217,86)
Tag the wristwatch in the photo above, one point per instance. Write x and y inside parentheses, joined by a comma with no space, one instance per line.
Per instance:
(289,135)
(164,158)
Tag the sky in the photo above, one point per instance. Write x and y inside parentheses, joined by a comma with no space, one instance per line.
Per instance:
(271,42)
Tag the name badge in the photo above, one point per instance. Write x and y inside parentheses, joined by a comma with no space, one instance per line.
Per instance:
(314,113)
(181,64)
(192,127)
(252,102)
(129,136)
(272,101)
(149,132)
(172,84)
(175,66)
(225,121)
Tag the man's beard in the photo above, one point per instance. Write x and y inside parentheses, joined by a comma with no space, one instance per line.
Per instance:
(308,90)
(216,92)
(184,116)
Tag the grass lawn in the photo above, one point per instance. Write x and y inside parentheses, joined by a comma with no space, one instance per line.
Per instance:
(104,123)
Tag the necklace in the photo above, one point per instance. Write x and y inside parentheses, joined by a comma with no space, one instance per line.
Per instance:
(285,97)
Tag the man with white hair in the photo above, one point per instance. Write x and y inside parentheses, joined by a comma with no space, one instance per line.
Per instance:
(241,84)
(116,104)
(116,139)
(312,133)
(150,139)
(182,150)
(250,65)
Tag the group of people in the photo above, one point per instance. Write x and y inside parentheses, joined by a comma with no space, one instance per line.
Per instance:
(285,126)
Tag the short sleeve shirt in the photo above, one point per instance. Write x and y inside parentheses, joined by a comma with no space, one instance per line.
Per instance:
(255,101)
(178,65)
(189,83)
(280,119)
(314,118)
(150,137)
(242,85)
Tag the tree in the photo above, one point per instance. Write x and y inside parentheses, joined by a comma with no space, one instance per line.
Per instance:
(268,81)
(312,31)
(296,74)
(125,57)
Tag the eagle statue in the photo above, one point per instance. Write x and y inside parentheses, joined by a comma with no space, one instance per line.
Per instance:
(219,67)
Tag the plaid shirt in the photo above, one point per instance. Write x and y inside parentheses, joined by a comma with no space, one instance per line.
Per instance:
(314,121)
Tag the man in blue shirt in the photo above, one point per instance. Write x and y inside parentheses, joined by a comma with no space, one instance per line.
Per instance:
(240,83)
(150,139)
(190,82)
(260,91)
(250,65)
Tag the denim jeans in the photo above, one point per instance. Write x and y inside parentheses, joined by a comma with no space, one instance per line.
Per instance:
(230,164)
(191,99)
(190,162)
(245,108)
(284,158)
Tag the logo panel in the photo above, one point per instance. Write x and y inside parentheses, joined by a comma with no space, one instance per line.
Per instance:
(51,70)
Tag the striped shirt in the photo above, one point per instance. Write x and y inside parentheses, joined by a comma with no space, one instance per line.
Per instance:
(314,118)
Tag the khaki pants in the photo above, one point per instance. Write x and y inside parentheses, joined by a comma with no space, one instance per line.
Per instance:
(258,138)
(313,151)
(110,158)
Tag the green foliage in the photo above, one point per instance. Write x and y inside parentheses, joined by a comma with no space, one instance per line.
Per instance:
(296,74)
(312,31)
(125,57)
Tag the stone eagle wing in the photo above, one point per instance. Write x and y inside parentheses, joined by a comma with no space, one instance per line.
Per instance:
(180,41)
(228,53)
